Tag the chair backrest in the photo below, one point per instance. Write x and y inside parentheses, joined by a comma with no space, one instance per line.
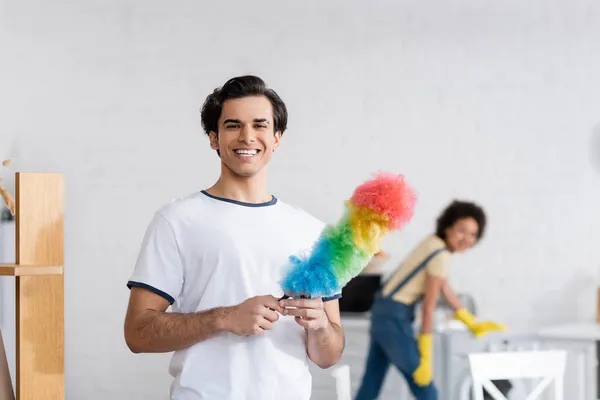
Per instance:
(343,389)
(549,366)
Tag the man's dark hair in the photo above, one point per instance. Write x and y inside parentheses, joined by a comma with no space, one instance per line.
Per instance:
(235,88)
(459,210)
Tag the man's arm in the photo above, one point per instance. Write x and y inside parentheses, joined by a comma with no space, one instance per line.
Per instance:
(322,321)
(149,329)
(325,345)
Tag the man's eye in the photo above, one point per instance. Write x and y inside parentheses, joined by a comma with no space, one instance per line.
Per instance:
(232,126)
(260,126)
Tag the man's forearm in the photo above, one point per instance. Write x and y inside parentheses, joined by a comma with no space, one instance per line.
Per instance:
(325,346)
(161,332)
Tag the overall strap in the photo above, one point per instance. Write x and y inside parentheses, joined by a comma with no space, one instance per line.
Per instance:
(414,272)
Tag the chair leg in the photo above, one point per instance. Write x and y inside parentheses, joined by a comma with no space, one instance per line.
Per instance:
(477,390)
(342,382)
(558,388)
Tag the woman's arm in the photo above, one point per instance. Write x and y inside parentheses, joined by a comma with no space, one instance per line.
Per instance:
(462,314)
(424,372)
(433,286)
(450,296)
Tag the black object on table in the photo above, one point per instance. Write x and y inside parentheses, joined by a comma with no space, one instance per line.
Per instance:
(358,294)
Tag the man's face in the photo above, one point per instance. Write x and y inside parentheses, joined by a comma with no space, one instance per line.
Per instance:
(246,138)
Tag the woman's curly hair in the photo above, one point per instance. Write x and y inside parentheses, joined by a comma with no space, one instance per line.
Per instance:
(459,210)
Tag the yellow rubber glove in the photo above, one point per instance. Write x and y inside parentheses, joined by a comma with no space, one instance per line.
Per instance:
(478,328)
(424,372)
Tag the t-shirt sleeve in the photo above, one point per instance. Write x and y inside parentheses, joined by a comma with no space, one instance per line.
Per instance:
(438,265)
(159,267)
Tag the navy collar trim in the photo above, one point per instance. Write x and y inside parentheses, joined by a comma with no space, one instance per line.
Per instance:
(273,201)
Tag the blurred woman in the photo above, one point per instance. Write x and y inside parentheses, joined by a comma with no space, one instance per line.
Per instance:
(421,276)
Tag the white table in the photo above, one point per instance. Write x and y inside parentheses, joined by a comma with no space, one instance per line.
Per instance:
(573,331)
(586,333)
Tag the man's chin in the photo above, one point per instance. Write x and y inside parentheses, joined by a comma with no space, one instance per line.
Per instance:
(244,172)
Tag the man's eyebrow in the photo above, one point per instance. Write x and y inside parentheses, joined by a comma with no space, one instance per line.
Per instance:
(237,121)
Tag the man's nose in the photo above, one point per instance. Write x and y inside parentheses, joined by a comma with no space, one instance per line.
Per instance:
(247,134)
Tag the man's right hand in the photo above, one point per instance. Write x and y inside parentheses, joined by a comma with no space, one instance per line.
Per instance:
(254,316)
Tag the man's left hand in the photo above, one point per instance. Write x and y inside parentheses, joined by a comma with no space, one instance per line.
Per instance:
(308,313)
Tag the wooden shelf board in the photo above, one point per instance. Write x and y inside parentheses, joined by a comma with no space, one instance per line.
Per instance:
(29,270)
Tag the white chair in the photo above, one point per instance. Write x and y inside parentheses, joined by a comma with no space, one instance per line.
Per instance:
(343,389)
(549,365)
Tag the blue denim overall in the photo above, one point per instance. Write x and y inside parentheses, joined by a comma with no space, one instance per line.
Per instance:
(393,342)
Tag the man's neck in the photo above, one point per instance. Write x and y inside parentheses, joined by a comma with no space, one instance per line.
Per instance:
(247,190)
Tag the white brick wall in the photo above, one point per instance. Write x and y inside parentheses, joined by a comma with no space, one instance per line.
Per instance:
(490,102)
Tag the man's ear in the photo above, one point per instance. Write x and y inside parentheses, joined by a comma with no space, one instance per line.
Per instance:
(214,140)
(277,140)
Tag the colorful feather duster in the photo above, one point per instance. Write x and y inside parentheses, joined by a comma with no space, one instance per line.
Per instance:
(378,206)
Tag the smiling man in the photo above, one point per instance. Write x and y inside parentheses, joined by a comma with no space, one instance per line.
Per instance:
(217,256)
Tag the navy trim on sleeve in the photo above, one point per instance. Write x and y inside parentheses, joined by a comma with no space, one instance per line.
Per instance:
(159,292)
(334,297)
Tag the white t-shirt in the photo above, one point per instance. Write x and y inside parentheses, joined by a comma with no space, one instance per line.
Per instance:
(201,252)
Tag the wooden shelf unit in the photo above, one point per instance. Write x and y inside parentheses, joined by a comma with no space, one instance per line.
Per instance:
(39,283)
(29,270)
